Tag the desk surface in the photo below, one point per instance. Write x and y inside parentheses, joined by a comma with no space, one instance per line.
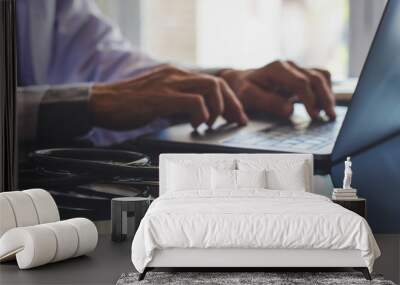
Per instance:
(103,266)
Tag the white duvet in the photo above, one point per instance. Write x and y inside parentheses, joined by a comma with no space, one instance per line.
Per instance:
(251,219)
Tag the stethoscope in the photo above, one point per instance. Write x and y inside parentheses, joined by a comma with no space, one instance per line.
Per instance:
(84,165)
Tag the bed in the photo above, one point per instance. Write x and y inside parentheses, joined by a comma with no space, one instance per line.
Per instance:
(246,211)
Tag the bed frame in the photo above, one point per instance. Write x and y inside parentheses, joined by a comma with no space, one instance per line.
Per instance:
(242,259)
(246,258)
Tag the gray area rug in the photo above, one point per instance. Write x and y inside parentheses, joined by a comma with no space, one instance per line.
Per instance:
(232,278)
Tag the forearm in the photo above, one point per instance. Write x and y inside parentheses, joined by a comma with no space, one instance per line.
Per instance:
(52,114)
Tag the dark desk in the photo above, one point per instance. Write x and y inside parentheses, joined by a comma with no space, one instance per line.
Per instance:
(103,266)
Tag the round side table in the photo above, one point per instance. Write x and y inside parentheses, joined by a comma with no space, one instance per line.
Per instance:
(126,214)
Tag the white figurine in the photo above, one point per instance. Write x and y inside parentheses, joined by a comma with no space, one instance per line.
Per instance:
(348,173)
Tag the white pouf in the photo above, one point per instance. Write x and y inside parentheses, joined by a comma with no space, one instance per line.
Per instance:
(37,245)
(32,246)
(31,230)
(7,220)
(23,208)
(45,206)
(67,237)
(87,233)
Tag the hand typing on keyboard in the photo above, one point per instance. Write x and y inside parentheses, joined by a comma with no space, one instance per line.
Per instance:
(275,87)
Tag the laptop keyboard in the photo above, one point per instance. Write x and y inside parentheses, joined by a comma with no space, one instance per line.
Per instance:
(313,137)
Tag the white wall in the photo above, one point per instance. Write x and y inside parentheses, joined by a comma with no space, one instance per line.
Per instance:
(236,33)
(169,29)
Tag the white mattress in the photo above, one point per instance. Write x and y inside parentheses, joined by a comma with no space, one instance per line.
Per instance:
(255,219)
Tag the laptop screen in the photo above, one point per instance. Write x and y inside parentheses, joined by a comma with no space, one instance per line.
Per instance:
(374,113)
(371,130)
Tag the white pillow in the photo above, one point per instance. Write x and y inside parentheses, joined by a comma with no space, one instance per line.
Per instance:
(230,180)
(223,179)
(184,178)
(251,178)
(285,174)
(292,179)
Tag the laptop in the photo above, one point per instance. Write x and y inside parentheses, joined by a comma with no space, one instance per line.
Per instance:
(374,113)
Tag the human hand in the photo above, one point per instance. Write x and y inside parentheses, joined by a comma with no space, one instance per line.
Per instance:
(275,87)
(164,91)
